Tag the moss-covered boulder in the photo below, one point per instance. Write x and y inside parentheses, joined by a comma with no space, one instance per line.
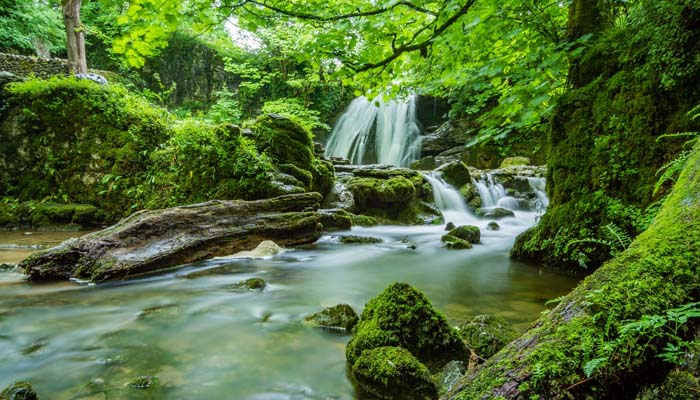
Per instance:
(335,219)
(494,213)
(486,334)
(341,317)
(453,242)
(470,233)
(514,161)
(356,239)
(455,173)
(51,215)
(363,220)
(493,226)
(402,316)
(258,284)
(19,390)
(393,373)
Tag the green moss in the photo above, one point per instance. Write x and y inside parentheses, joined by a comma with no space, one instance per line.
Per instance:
(470,233)
(363,220)
(341,316)
(323,173)
(514,161)
(486,334)
(251,284)
(393,373)
(359,239)
(455,173)
(402,316)
(49,214)
(453,242)
(19,391)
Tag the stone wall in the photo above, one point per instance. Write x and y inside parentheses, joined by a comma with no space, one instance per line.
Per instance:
(26,65)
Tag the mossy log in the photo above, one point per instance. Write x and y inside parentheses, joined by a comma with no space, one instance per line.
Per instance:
(153,240)
(557,356)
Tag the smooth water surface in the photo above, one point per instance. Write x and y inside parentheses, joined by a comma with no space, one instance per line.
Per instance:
(203,339)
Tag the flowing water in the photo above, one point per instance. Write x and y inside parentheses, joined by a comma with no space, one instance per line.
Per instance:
(374,131)
(203,339)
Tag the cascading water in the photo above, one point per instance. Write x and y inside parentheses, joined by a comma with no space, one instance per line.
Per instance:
(538,186)
(396,139)
(449,201)
(491,192)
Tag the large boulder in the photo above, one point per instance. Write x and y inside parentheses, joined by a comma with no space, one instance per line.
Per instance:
(393,373)
(153,240)
(455,173)
(470,233)
(401,316)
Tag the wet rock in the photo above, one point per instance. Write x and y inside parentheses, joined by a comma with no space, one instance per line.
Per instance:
(19,390)
(393,373)
(56,216)
(258,284)
(493,226)
(359,239)
(363,220)
(450,226)
(486,334)
(144,382)
(335,219)
(471,195)
(514,161)
(266,248)
(339,197)
(494,213)
(424,164)
(402,316)
(450,375)
(470,233)
(453,242)
(455,173)
(7,267)
(153,240)
(341,317)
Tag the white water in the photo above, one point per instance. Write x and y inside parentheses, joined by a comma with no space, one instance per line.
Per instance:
(490,191)
(450,202)
(538,186)
(397,140)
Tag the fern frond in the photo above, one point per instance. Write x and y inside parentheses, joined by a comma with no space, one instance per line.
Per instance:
(617,235)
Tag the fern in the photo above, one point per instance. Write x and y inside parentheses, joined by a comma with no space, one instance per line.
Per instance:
(592,365)
(619,238)
(671,169)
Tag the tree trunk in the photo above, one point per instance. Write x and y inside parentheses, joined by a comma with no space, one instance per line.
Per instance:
(585,17)
(149,241)
(75,36)
(658,272)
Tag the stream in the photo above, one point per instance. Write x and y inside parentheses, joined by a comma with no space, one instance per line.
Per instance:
(203,339)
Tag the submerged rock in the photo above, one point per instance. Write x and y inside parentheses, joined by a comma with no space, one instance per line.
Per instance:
(153,240)
(251,284)
(486,334)
(19,390)
(495,213)
(493,226)
(266,248)
(450,226)
(144,382)
(7,267)
(341,317)
(453,242)
(359,239)
(393,373)
(470,233)
(402,316)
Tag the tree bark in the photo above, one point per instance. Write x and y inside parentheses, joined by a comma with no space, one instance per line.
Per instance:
(658,272)
(149,241)
(75,36)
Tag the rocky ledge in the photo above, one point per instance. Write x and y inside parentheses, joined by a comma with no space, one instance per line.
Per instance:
(153,240)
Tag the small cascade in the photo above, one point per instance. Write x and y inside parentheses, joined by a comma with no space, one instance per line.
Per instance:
(538,186)
(490,191)
(449,201)
(396,134)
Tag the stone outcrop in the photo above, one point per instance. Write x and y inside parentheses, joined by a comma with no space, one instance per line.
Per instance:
(149,241)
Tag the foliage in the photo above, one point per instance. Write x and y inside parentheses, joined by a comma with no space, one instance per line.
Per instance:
(226,109)
(294,109)
(30,25)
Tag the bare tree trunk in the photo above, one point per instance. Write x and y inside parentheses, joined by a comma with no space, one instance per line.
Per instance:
(75,36)
(559,356)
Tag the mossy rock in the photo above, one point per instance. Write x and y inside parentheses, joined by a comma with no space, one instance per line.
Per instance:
(450,226)
(453,242)
(373,191)
(335,219)
(493,226)
(678,385)
(470,233)
(402,316)
(19,390)
(515,161)
(144,382)
(284,140)
(424,164)
(258,284)
(486,334)
(393,373)
(494,213)
(341,317)
(302,175)
(359,239)
(52,214)
(363,220)
(455,173)
(323,173)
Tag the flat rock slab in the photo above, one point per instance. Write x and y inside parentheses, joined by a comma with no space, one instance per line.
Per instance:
(153,240)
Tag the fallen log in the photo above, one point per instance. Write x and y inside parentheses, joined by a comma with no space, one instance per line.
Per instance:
(604,339)
(154,240)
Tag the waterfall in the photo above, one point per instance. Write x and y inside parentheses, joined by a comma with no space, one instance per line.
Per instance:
(538,186)
(490,191)
(449,201)
(396,133)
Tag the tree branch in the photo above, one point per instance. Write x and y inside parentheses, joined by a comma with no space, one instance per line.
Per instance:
(357,14)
